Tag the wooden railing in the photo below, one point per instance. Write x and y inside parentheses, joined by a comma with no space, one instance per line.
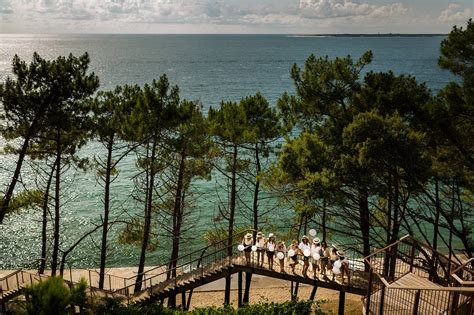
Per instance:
(191,264)
(407,256)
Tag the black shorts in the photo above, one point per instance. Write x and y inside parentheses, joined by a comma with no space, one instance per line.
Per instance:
(270,254)
(295,258)
(248,249)
(324,261)
(260,250)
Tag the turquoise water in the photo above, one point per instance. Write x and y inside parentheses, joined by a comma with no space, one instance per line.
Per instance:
(208,68)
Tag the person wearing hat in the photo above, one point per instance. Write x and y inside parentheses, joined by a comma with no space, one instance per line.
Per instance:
(270,246)
(304,245)
(344,266)
(260,243)
(315,249)
(332,256)
(294,258)
(281,248)
(247,242)
(324,258)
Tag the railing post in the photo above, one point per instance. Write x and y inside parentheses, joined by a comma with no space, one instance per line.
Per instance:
(454,302)
(342,301)
(412,256)
(17,280)
(382,299)
(416,304)
(369,292)
(90,282)
(239,290)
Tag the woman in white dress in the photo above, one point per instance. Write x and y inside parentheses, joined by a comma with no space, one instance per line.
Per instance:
(270,246)
(304,247)
(260,243)
(247,242)
(315,249)
(281,252)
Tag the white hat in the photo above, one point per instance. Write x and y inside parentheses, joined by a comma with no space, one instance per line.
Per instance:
(271,235)
(340,253)
(259,234)
(316,240)
(305,237)
(248,235)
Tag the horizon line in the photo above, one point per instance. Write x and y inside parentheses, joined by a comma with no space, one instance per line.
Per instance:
(287,34)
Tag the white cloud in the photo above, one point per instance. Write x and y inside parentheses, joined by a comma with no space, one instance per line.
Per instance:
(454,13)
(190,16)
(346,8)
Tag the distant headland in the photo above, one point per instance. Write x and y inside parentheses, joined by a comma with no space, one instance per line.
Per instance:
(371,35)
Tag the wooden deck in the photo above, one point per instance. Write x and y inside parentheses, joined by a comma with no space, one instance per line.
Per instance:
(399,300)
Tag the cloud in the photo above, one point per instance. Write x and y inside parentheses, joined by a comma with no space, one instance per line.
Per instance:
(320,9)
(454,13)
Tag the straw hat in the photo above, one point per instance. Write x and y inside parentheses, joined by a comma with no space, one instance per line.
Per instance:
(248,236)
(334,245)
(259,234)
(305,237)
(271,235)
(316,241)
(340,253)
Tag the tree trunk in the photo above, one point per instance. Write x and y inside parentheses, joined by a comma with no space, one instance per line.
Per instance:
(323,223)
(147,224)
(178,214)
(233,196)
(105,227)
(44,231)
(396,225)
(256,191)
(54,263)
(386,259)
(9,193)
(364,217)
(437,215)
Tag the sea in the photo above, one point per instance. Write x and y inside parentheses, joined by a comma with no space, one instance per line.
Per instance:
(207,68)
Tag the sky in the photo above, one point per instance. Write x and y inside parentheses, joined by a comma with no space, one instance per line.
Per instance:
(233,16)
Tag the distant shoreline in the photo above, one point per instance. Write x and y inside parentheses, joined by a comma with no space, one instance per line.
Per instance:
(370,35)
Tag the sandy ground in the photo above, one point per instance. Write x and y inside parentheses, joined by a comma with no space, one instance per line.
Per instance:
(265,289)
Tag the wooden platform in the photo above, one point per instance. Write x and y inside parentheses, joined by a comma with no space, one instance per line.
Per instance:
(399,300)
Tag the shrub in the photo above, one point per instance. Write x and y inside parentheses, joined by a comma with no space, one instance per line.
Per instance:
(53,296)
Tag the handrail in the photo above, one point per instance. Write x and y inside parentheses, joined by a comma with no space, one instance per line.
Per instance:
(11,274)
(463,265)
(126,289)
(188,262)
(458,279)
(188,254)
(439,288)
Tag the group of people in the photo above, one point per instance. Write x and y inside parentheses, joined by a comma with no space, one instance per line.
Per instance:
(317,254)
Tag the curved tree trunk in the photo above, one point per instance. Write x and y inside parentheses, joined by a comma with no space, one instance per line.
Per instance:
(44,231)
(147,223)
(9,193)
(105,227)
(178,214)
(233,198)
(256,191)
(54,263)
